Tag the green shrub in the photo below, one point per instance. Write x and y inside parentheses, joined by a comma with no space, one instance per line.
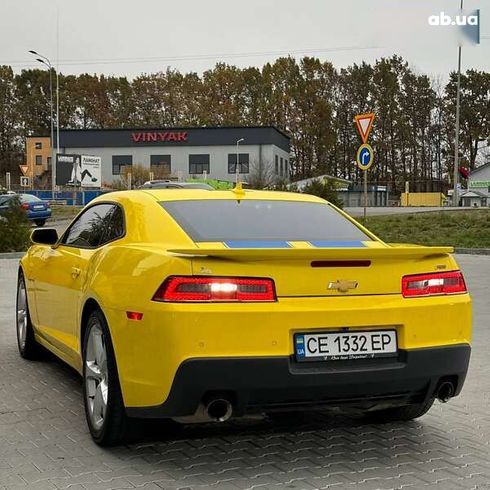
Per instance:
(326,190)
(15,229)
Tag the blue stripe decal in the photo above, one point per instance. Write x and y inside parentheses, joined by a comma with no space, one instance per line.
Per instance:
(256,244)
(328,244)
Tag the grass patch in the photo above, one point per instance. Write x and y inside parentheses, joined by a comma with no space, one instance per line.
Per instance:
(65,211)
(465,229)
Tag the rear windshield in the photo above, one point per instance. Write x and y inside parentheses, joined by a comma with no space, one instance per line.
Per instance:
(261,220)
(29,198)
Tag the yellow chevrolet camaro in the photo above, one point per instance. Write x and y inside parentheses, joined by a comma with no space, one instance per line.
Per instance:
(200,305)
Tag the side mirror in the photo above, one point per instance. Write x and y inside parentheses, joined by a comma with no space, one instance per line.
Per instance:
(44,236)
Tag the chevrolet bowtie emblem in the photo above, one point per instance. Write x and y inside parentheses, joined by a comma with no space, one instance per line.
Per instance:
(342,286)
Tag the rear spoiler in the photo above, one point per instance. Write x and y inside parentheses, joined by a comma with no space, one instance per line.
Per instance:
(245,254)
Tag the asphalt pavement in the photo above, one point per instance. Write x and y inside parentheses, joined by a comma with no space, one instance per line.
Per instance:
(59,225)
(44,442)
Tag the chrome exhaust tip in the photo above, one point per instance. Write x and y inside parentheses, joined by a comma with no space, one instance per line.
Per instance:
(219,409)
(445,391)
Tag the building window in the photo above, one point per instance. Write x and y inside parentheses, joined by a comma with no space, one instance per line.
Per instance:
(39,159)
(161,164)
(276,166)
(119,161)
(38,145)
(282,167)
(286,167)
(49,162)
(243,159)
(198,164)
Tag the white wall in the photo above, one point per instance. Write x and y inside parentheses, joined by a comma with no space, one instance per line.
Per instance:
(482,175)
(218,156)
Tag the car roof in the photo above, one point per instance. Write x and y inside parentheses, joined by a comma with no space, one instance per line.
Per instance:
(185,194)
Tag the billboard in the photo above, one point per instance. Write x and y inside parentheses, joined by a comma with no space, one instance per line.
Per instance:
(90,171)
(64,168)
(78,170)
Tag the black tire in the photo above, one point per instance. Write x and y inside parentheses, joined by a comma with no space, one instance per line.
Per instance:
(399,414)
(40,222)
(114,425)
(26,342)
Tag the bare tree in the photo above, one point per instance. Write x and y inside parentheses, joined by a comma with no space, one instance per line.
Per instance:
(261,175)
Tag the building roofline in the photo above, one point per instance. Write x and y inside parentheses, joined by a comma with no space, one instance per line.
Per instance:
(137,128)
(472,191)
(321,177)
(481,167)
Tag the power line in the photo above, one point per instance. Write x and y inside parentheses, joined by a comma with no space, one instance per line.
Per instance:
(204,57)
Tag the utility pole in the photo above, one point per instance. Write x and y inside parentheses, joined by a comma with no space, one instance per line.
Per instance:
(46,61)
(456,136)
(237,168)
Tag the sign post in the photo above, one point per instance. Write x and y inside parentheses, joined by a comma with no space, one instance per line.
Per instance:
(7,180)
(365,154)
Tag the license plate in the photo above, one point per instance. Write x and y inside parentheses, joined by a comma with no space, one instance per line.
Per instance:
(38,206)
(341,346)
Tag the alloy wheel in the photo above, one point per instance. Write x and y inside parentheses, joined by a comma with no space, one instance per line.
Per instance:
(22,314)
(96,376)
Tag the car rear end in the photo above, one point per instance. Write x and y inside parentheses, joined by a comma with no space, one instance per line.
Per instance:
(289,305)
(36,209)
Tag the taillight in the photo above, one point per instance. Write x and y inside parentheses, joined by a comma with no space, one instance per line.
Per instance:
(433,284)
(24,205)
(198,288)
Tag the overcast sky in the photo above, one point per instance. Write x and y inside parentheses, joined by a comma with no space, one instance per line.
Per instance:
(130,37)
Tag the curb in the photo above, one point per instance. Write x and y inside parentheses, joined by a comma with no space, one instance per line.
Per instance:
(472,251)
(12,255)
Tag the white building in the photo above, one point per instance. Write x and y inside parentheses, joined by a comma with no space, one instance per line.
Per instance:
(478,187)
(185,152)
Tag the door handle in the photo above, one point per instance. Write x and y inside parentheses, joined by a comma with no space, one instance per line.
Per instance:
(75,272)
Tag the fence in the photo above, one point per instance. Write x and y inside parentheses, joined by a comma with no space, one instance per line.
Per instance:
(79,198)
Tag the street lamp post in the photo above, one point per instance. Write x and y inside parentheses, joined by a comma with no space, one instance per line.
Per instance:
(456,136)
(45,61)
(237,168)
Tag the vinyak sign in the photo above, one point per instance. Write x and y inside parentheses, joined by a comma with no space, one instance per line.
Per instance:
(158,136)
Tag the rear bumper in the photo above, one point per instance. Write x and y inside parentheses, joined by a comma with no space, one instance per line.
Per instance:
(257,384)
(39,215)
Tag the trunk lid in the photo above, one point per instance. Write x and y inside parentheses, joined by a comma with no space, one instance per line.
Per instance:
(303,271)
